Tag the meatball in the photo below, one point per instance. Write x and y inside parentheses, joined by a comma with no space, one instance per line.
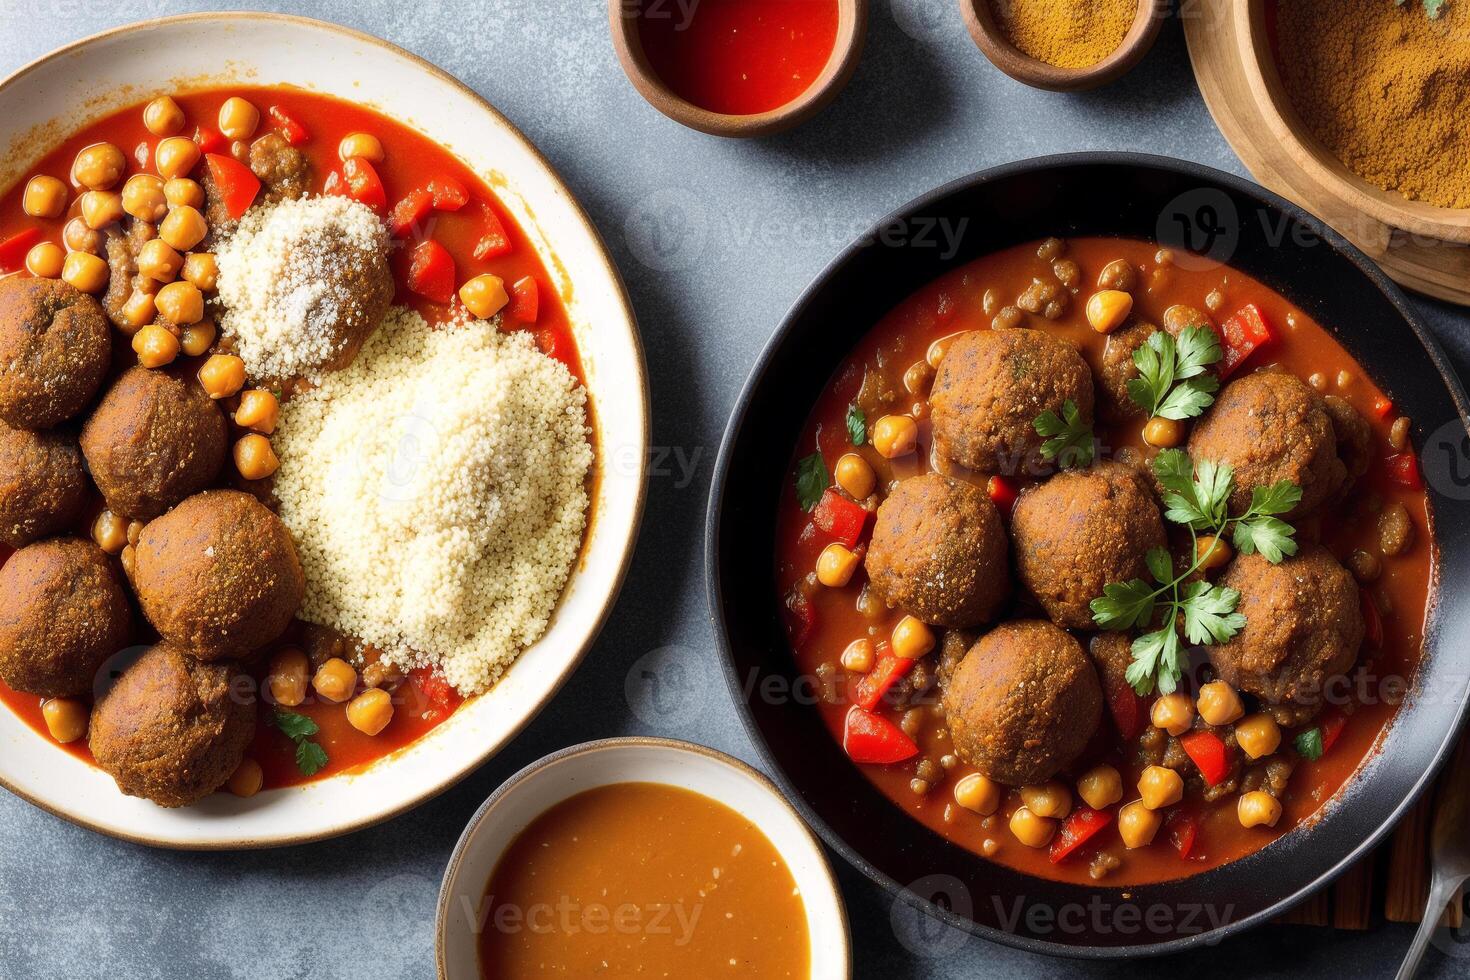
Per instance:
(43,487)
(1024,702)
(65,612)
(1080,531)
(218,575)
(1271,426)
(939,552)
(991,386)
(1303,625)
(1354,440)
(1117,368)
(283,169)
(56,348)
(155,438)
(125,280)
(172,729)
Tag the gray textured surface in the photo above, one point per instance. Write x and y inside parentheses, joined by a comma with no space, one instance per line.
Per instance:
(683,215)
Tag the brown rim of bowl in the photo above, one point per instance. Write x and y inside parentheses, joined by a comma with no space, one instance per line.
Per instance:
(1287,127)
(351,825)
(852,29)
(1023,68)
(599,745)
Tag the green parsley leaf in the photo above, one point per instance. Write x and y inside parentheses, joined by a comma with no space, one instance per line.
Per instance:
(1156,661)
(1209,612)
(1309,744)
(1189,398)
(1069,438)
(1161,565)
(1171,381)
(857,425)
(294,726)
(1434,9)
(1124,605)
(1278,498)
(811,480)
(1175,471)
(1197,348)
(1271,536)
(310,758)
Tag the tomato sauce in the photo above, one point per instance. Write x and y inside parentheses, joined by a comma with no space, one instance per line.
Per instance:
(423,700)
(738,57)
(1401,594)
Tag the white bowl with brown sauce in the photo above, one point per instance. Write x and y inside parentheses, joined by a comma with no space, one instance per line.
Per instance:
(60,93)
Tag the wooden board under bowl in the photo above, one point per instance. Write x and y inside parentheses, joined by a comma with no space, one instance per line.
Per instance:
(1424,248)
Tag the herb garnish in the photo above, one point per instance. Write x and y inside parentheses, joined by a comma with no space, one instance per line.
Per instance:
(1196,496)
(1309,744)
(1173,380)
(1069,439)
(310,757)
(811,480)
(857,425)
(1433,9)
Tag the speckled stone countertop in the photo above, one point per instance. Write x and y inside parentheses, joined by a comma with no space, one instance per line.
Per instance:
(684,217)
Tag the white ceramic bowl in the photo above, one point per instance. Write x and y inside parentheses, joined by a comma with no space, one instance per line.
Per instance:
(561,775)
(70,87)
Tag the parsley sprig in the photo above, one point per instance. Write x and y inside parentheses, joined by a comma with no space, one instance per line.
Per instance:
(1309,744)
(310,757)
(1433,9)
(857,425)
(1196,496)
(811,480)
(1069,438)
(1173,376)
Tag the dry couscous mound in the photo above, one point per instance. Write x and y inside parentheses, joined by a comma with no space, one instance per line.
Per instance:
(437,492)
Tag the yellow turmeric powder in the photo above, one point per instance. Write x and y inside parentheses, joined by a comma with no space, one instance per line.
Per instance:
(1065,33)
(1386,89)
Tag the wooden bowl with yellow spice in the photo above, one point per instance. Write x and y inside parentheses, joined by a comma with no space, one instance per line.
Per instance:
(1356,112)
(1064,45)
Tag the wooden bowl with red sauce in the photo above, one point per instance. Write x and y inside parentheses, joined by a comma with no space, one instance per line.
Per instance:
(922,275)
(738,67)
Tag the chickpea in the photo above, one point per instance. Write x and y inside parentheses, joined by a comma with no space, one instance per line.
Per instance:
(135,532)
(1108,308)
(859,656)
(66,719)
(183,228)
(286,681)
(238,119)
(917,378)
(1258,808)
(183,192)
(484,296)
(139,311)
(1051,249)
(202,270)
(155,346)
(254,457)
(181,303)
(978,793)
(1160,787)
(1173,713)
(101,208)
(1163,433)
(110,532)
(1009,318)
(911,639)
(895,436)
(99,167)
(1317,380)
(1137,825)
(938,349)
(1212,552)
(1066,271)
(335,680)
(1100,787)
(175,157)
(1366,565)
(1119,275)
(1050,799)
(246,780)
(163,117)
(127,558)
(854,475)
(85,271)
(196,338)
(1395,530)
(1344,379)
(371,711)
(1398,433)
(1219,704)
(77,237)
(360,146)
(45,197)
(45,261)
(143,198)
(1030,829)
(835,566)
(222,375)
(158,261)
(1258,735)
(259,410)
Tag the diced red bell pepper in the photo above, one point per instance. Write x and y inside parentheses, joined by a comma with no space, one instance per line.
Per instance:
(1242,335)
(448,193)
(1332,722)
(237,184)
(1403,469)
(360,182)
(1372,621)
(1003,493)
(437,691)
(289,126)
(867,737)
(431,272)
(1129,710)
(877,682)
(1209,755)
(1382,407)
(800,616)
(525,300)
(494,242)
(1183,829)
(210,140)
(558,346)
(1079,827)
(409,214)
(840,518)
(14,249)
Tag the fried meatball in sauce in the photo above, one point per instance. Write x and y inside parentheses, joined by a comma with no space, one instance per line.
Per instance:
(55,346)
(64,613)
(1080,531)
(218,575)
(991,386)
(1023,703)
(172,729)
(43,487)
(939,552)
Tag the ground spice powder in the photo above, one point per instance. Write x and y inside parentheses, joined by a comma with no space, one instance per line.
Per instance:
(1386,89)
(1065,33)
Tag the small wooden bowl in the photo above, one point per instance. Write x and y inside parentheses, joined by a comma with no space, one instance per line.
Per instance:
(1038,74)
(852,28)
